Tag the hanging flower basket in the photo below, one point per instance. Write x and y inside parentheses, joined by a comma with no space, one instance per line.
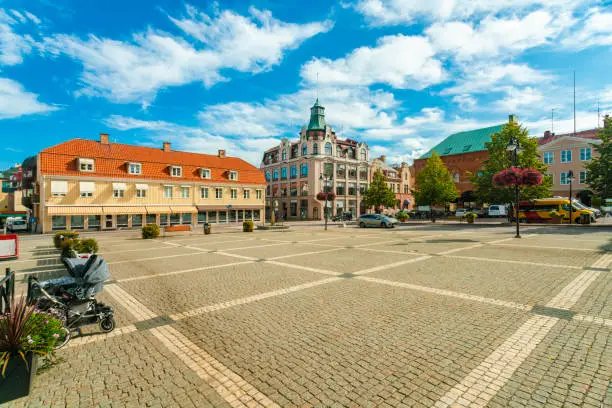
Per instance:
(508,177)
(326,196)
(532,177)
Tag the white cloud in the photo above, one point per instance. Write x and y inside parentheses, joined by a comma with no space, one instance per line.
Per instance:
(466,102)
(136,71)
(496,36)
(595,29)
(393,12)
(519,99)
(479,78)
(406,62)
(16,101)
(563,124)
(13,45)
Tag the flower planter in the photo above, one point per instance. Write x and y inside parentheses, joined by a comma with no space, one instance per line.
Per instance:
(18,377)
(470,220)
(556,219)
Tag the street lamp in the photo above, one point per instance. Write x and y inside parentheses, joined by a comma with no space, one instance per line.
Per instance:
(515,148)
(570,177)
(324,179)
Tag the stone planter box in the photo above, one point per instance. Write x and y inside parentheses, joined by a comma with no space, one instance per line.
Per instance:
(18,377)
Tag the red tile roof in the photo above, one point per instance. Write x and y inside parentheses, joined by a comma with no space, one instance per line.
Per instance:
(584,134)
(111,162)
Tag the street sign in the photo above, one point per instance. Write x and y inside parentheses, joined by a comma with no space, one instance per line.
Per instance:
(33,220)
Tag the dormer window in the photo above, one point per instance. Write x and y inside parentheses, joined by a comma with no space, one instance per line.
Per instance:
(176,171)
(86,165)
(135,168)
(233,175)
(205,173)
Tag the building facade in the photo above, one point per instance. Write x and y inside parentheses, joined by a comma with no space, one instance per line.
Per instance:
(565,152)
(87,184)
(463,153)
(293,169)
(399,180)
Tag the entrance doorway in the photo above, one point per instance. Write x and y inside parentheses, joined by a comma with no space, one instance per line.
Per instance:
(108,221)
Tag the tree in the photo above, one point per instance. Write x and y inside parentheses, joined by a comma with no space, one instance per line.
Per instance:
(599,170)
(500,158)
(378,193)
(434,183)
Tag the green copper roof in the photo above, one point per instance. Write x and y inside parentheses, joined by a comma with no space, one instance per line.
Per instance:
(464,142)
(317,117)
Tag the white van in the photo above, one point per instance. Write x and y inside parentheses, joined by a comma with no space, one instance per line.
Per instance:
(16,224)
(497,210)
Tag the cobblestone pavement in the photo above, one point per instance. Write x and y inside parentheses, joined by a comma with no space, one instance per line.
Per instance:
(417,316)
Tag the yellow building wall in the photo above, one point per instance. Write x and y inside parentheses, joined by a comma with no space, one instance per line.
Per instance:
(103,195)
(4,202)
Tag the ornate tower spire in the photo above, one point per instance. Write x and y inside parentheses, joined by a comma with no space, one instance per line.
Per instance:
(317,117)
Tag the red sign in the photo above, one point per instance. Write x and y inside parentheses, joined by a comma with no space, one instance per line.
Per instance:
(9,246)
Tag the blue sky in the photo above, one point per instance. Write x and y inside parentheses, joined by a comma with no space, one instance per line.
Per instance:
(399,74)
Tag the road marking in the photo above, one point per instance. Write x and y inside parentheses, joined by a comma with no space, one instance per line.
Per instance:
(450,293)
(79,341)
(229,385)
(130,303)
(304,253)
(474,258)
(203,268)
(593,319)
(547,247)
(304,268)
(484,381)
(250,299)
(391,265)
(155,258)
(451,251)
(604,261)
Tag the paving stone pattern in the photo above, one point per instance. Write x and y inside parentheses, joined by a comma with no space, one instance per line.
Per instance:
(418,316)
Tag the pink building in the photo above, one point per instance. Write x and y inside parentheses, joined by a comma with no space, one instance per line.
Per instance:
(566,152)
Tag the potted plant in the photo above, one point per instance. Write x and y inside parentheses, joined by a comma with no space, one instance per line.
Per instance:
(25,335)
(248,226)
(470,217)
(556,217)
(402,216)
(150,231)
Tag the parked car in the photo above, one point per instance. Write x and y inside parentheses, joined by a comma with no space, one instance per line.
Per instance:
(498,210)
(347,216)
(460,212)
(584,207)
(376,220)
(16,224)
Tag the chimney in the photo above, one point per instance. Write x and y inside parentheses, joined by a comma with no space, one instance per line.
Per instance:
(383,158)
(513,118)
(221,154)
(546,134)
(104,138)
(167,147)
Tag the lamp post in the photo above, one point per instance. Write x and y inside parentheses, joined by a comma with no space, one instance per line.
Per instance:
(515,148)
(570,177)
(324,179)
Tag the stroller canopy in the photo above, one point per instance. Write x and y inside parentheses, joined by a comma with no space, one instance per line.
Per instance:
(97,272)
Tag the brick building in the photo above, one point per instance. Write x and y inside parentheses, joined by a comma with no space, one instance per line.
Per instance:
(398,178)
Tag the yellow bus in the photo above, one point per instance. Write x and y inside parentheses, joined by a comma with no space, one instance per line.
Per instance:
(539,210)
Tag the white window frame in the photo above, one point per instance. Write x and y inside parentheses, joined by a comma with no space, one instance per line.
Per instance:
(118,193)
(176,171)
(168,189)
(561,174)
(141,193)
(233,193)
(85,190)
(259,194)
(233,175)
(204,193)
(183,190)
(585,149)
(89,164)
(246,194)
(564,154)
(202,171)
(551,156)
(219,193)
(581,179)
(136,166)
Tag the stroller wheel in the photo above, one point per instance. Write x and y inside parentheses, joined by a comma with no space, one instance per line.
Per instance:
(61,342)
(107,324)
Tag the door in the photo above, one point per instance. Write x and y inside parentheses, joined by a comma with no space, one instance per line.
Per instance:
(108,221)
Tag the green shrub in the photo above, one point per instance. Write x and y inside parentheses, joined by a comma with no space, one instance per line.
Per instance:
(248,226)
(402,216)
(150,231)
(596,202)
(471,215)
(86,246)
(57,238)
(68,247)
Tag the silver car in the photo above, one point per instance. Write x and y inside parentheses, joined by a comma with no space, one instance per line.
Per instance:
(376,220)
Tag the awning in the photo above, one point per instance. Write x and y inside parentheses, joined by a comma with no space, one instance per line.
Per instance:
(75,210)
(158,210)
(124,210)
(119,186)
(142,186)
(184,209)
(87,186)
(7,215)
(202,208)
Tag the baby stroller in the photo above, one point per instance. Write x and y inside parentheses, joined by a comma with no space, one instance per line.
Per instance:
(72,298)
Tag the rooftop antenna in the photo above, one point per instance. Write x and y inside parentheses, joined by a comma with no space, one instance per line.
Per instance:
(597,113)
(552,121)
(317,86)
(574,103)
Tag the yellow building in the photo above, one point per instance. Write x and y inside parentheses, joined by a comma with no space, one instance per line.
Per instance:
(86,184)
